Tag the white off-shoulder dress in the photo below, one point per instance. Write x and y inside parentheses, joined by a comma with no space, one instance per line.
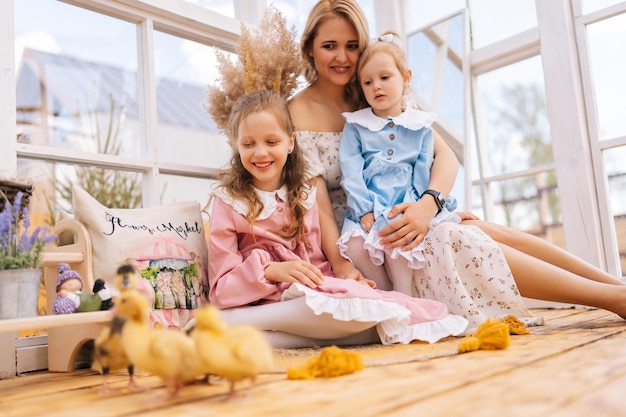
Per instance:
(464,268)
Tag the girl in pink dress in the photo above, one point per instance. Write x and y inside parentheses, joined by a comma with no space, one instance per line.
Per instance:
(265,248)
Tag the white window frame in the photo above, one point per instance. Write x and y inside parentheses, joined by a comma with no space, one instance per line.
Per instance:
(181,19)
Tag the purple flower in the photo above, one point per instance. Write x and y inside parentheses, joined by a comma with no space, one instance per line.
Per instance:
(20,250)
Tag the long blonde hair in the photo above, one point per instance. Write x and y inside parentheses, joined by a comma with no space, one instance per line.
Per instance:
(322,11)
(237,181)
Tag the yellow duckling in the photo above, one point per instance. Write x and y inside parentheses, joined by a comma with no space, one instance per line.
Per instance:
(233,352)
(110,356)
(168,353)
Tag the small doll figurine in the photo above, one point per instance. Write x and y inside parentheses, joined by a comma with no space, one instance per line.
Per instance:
(71,298)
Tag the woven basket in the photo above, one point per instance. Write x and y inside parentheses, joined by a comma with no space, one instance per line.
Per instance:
(10,189)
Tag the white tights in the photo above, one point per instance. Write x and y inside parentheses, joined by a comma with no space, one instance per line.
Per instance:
(393,274)
(292,323)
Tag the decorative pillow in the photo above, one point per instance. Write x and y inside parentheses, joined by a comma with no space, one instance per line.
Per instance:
(166,244)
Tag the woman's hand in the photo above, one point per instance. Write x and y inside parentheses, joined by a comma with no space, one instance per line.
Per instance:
(410,229)
(295,271)
(466,215)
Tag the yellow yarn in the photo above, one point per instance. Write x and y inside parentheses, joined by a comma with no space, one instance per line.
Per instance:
(515,325)
(332,361)
(490,335)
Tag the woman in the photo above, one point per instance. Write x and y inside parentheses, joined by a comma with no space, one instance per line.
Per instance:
(333,39)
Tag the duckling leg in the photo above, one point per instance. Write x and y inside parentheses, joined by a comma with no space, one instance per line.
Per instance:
(231,391)
(133,386)
(106,389)
(172,388)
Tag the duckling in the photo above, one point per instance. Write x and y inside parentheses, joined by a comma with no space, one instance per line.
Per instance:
(126,277)
(167,353)
(233,352)
(109,355)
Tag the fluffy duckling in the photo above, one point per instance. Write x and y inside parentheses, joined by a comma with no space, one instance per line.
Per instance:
(110,356)
(167,353)
(126,277)
(233,352)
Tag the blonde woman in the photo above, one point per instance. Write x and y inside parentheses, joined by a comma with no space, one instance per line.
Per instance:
(333,39)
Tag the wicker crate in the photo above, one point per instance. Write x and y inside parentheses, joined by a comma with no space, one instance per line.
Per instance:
(10,189)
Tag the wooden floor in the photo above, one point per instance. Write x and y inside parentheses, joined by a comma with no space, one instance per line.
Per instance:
(575,365)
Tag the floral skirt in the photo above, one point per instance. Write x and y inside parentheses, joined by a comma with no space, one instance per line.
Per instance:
(466,270)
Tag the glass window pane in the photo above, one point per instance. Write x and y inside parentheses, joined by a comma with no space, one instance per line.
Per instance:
(451,108)
(455,34)
(516,125)
(52,186)
(296,13)
(435,55)
(531,204)
(73,80)
(593,5)
(421,55)
(186,132)
(178,189)
(423,12)
(608,69)
(225,7)
(494,20)
(616,172)
(370,15)
(477,207)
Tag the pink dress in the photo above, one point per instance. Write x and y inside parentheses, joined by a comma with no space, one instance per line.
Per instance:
(239,254)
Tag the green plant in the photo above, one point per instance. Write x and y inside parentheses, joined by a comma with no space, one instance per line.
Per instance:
(20,249)
(112,188)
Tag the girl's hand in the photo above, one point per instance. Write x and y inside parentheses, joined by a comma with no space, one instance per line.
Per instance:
(410,229)
(346,270)
(368,282)
(367,221)
(295,271)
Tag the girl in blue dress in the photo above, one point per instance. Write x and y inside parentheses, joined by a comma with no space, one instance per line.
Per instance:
(386,154)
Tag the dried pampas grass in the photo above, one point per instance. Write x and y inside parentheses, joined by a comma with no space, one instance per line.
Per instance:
(268,59)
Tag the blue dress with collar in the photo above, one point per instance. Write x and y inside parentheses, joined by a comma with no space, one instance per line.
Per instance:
(385,162)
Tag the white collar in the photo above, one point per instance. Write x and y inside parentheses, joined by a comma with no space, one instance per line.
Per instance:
(410,118)
(268,198)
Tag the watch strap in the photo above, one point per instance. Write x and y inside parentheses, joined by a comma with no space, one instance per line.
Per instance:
(439,200)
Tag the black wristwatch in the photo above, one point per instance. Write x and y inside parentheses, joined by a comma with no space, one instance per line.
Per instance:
(438,198)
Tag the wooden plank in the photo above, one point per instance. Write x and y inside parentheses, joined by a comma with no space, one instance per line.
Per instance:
(13,325)
(605,399)
(53,258)
(543,370)
(550,385)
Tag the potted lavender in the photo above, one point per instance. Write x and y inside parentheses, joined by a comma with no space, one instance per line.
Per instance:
(20,254)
